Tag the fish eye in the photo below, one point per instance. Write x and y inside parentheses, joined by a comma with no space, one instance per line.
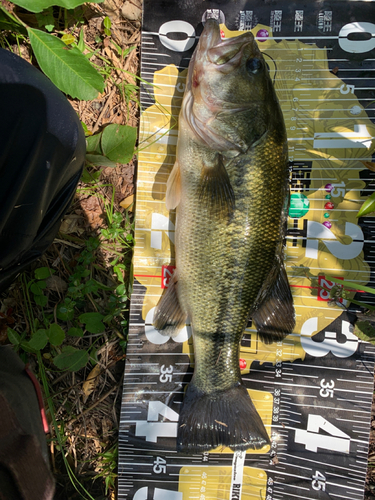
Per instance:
(253,65)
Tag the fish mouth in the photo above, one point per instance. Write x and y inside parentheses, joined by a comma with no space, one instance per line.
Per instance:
(225,54)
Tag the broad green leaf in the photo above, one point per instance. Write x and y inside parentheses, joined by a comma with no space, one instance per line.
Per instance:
(100,161)
(118,142)
(65,311)
(8,22)
(55,334)
(365,331)
(13,336)
(41,300)
(43,273)
(35,289)
(71,359)
(39,339)
(68,69)
(39,5)
(367,207)
(93,144)
(75,332)
(93,322)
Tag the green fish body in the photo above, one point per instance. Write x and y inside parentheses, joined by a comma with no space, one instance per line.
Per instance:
(230,188)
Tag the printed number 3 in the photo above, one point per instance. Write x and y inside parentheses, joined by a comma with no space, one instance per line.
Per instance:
(330,344)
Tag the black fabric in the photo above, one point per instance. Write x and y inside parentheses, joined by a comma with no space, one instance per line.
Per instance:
(42,151)
(24,469)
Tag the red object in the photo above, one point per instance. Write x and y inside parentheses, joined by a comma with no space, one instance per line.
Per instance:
(166,275)
(243,364)
(35,382)
(329,205)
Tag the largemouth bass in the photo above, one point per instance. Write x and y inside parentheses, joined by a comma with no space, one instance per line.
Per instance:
(230,187)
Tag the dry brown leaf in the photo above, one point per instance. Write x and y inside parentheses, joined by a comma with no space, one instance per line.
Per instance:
(56,284)
(127,202)
(91,382)
(132,10)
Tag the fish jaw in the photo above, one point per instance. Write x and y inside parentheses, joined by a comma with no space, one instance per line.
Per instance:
(227,78)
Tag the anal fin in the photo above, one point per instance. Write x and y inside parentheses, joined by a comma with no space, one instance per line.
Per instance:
(169,318)
(274,316)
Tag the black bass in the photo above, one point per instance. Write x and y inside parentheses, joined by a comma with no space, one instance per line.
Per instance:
(230,187)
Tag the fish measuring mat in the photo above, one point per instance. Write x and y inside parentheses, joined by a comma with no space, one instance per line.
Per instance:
(314,389)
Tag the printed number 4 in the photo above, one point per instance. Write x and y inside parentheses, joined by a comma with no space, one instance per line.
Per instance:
(336,441)
(151,429)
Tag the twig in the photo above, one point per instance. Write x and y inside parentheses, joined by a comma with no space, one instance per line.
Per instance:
(71,422)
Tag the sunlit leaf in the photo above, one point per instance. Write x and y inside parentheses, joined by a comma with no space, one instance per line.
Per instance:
(39,5)
(68,69)
(367,207)
(118,142)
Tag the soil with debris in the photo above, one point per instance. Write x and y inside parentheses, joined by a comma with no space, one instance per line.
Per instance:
(87,403)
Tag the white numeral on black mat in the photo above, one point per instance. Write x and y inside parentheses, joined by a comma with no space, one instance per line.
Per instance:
(336,441)
(151,429)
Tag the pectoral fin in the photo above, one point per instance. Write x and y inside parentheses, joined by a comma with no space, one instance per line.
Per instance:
(274,317)
(173,195)
(215,190)
(169,318)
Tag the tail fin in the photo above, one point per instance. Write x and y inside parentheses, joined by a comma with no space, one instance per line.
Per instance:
(225,418)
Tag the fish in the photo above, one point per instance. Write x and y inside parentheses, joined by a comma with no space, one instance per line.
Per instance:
(230,188)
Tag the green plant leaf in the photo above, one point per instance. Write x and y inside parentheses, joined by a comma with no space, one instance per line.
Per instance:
(39,5)
(39,340)
(118,142)
(43,273)
(41,300)
(93,144)
(65,311)
(35,289)
(46,19)
(68,69)
(13,336)
(75,332)
(55,334)
(8,22)
(71,359)
(368,206)
(364,330)
(100,161)
(93,322)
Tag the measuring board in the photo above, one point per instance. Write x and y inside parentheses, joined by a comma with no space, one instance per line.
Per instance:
(314,389)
